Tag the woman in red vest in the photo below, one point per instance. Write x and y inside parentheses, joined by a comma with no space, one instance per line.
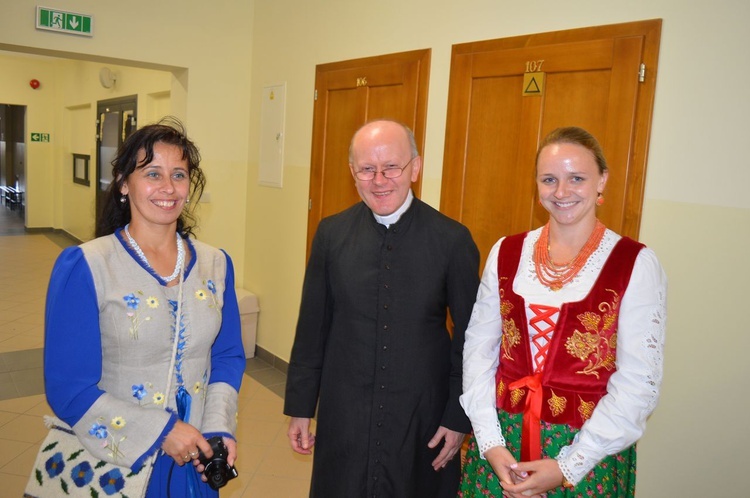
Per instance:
(563,354)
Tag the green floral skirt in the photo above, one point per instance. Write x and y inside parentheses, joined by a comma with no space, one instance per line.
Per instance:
(613,477)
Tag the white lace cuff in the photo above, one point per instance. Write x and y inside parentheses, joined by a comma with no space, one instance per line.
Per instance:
(487,440)
(574,464)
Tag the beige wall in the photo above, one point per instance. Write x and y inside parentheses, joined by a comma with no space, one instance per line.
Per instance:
(206,46)
(695,215)
(66,100)
(15,74)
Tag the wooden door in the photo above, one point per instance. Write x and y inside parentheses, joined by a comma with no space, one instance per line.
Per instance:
(348,94)
(497,114)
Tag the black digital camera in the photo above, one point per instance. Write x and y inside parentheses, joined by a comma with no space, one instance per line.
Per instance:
(217,470)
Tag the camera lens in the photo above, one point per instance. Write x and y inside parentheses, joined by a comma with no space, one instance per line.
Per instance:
(217,469)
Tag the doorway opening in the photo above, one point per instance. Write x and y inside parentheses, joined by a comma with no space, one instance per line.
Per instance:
(12,166)
(116,120)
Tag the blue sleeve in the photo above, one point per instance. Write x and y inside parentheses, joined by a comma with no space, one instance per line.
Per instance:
(227,353)
(72,339)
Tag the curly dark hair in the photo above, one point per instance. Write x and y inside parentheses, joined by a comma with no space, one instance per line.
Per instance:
(169,130)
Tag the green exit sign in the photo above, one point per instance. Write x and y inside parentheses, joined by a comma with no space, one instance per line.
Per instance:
(40,137)
(64,22)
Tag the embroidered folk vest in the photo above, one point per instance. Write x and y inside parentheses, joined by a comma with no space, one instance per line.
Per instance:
(582,353)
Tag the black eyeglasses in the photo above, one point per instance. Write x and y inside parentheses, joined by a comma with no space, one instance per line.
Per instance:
(389,172)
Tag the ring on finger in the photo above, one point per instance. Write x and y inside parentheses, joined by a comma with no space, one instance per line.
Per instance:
(186,458)
(193,454)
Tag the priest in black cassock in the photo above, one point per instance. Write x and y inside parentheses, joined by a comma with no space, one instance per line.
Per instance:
(372,350)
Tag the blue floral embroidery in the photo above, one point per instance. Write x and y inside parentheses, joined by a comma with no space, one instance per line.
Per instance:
(139,392)
(132,301)
(99,430)
(82,474)
(112,482)
(55,464)
(201,295)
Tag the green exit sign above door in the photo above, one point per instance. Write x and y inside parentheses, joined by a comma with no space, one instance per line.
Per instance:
(64,22)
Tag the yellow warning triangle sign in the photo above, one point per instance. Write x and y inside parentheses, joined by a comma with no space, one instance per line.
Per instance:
(532,87)
(533,84)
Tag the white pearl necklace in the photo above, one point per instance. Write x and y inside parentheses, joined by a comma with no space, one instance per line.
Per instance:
(139,252)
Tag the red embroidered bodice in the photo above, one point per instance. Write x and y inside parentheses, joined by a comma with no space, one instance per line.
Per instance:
(579,357)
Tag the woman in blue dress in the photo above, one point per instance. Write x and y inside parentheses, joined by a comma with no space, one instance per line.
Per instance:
(111,323)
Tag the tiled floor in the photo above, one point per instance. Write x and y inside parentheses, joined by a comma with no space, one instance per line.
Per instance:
(267,466)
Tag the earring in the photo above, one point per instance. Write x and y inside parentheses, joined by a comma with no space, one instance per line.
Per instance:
(599,199)
(187,200)
(123,199)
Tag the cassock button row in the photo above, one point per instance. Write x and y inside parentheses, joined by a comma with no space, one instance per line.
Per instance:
(385,286)
(382,367)
(385,347)
(380,424)
(385,327)
(385,306)
(382,386)
(387,267)
(390,247)
(377,443)
(380,407)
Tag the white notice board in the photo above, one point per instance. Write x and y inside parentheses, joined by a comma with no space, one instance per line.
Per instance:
(271,170)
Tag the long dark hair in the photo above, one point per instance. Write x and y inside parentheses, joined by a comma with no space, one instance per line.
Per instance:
(170,131)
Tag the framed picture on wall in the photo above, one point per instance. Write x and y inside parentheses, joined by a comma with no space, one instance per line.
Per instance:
(81,169)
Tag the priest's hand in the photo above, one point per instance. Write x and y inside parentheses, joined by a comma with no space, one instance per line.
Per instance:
(453,442)
(300,437)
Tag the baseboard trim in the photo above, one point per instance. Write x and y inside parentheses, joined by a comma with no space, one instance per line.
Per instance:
(273,360)
(55,231)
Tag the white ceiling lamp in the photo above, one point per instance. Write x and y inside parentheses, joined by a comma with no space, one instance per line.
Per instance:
(107,77)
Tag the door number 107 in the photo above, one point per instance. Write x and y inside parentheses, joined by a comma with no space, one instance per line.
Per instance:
(534,66)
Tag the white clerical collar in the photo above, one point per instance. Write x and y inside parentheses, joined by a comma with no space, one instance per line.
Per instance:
(394,217)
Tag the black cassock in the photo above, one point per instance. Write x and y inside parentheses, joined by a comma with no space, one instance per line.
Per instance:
(372,348)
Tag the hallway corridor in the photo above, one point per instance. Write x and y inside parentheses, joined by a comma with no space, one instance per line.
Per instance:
(267,466)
